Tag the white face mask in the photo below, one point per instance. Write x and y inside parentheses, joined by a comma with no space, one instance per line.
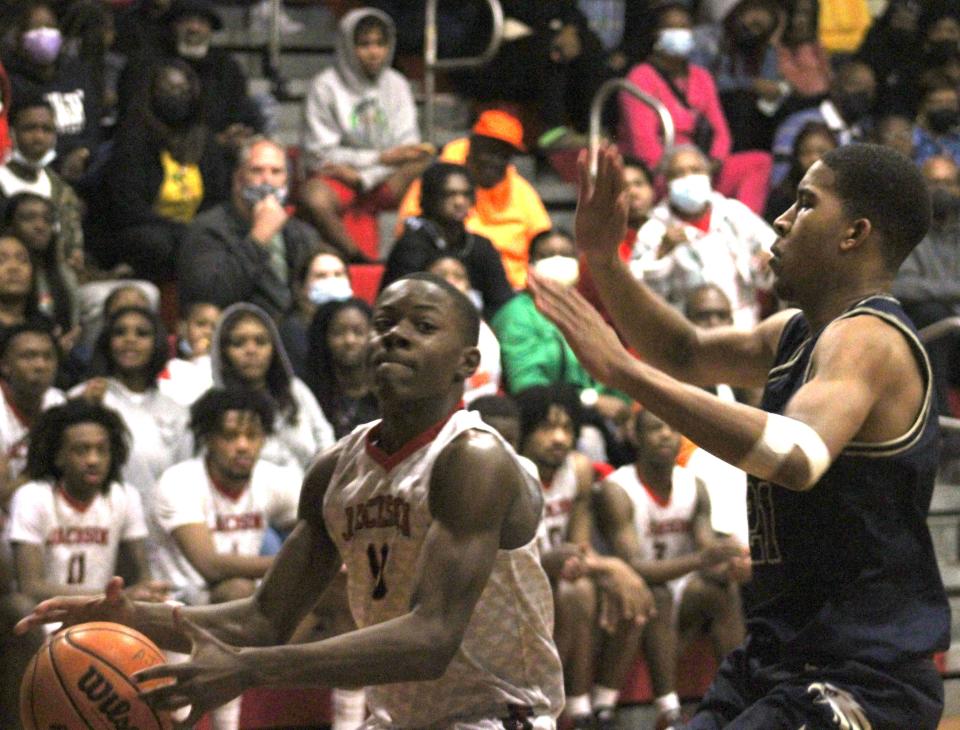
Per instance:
(675,42)
(330,289)
(195,51)
(561,269)
(690,193)
(17,156)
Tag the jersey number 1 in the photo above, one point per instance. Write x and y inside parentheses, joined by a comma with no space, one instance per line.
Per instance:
(378,565)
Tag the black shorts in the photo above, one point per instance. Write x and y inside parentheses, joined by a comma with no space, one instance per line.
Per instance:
(749,695)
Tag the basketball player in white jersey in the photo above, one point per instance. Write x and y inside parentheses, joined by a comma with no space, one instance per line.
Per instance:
(657,518)
(583,581)
(436,522)
(28,366)
(70,523)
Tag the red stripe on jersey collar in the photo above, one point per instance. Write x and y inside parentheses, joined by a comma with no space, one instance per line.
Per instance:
(75,503)
(389,461)
(220,487)
(661,501)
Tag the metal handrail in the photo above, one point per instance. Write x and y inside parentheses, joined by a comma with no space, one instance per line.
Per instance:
(432,63)
(596,110)
(273,42)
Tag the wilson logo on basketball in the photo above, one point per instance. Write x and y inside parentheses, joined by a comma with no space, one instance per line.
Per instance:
(97,689)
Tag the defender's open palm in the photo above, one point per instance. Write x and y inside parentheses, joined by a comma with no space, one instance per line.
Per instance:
(601,220)
(112,605)
(213,676)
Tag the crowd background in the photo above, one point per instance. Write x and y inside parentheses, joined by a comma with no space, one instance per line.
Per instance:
(176,246)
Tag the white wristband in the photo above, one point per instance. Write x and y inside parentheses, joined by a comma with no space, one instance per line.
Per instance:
(780,435)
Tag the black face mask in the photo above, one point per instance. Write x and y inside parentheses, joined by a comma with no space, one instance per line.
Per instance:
(854,106)
(944,205)
(747,39)
(943,120)
(172,110)
(941,51)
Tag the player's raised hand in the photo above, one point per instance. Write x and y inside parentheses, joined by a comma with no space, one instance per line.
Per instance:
(601,220)
(594,342)
(112,605)
(214,675)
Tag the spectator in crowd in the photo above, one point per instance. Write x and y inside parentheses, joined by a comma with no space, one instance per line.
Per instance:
(209,514)
(507,209)
(37,69)
(741,54)
(890,48)
(532,350)
(28,169)
(75,520)
(619,28)
(937,128)
(708,307)
(189,375)
(501,412)
(248,248)
(128,358)
(98,302)
(895,131)
(697,235)
(447,197)
(338,374)
(689,93)
(582,580)
(360,136)
(32,219)
(18,287)
(803,60)
(813,141)
(485,380)
(563,66)
(16,650)
(165,168)
(928,283)
(657,519)
(247,353)
(141,27)
(322,278)
(224,105)
(28,366)
(641,196)
(846,111)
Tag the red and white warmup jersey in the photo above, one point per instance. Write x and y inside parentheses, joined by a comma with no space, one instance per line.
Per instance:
(376,511)
(14,430)
(80,541)
(558,498)
(664,529)
(186,495)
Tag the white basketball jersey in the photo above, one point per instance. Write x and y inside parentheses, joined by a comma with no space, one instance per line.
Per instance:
(14,430)
(186,495)
(558,499)
(664,529)
(376,511)
(80,541)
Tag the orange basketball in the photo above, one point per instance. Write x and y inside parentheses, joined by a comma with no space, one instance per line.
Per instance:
(81,678)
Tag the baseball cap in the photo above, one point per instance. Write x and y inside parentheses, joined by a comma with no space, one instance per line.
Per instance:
(498,124)
(202,8)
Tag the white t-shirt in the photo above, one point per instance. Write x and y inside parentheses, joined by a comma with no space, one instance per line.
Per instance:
(14,432)
(185,495)
(11,184)
(159,434)
(80,541)
(558,499)
(184,381)
(297,444)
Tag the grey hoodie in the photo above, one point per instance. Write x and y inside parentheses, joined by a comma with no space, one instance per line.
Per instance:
(294,442)
(349,118)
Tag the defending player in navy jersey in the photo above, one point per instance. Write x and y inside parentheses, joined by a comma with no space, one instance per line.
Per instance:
(436,521)
(846,605)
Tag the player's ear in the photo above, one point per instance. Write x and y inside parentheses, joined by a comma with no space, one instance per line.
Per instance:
(469,362)
(858,232)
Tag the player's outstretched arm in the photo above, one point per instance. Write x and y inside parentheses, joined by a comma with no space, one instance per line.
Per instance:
(475,486)
(662,335)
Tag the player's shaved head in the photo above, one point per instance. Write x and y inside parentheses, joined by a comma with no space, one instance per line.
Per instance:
(461,307)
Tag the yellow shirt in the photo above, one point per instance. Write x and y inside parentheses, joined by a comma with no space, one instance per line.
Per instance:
(509,214)
(181,191)
(843,24)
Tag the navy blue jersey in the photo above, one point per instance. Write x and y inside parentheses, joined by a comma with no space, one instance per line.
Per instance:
(847,569)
